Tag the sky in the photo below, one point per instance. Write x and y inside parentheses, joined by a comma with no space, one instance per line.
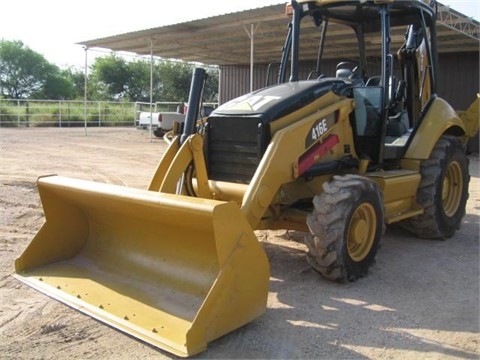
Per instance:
(53,27)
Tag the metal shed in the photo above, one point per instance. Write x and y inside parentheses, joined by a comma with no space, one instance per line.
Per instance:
(243,43)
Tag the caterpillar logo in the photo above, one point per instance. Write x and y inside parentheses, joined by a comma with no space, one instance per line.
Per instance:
(249,102)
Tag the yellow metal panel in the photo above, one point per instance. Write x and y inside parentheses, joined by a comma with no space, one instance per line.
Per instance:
(399,192)
(225,191)
(437,120)
(171,270)
(164,164)
(282,154)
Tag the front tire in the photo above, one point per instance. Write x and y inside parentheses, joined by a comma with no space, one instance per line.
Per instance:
(346,226)
(443,191)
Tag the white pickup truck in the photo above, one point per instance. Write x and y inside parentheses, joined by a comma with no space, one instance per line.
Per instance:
(162,122)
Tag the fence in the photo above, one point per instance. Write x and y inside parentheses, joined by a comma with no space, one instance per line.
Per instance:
(36,113)
(40,113)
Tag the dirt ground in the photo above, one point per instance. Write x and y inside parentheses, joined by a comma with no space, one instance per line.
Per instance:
(420,300)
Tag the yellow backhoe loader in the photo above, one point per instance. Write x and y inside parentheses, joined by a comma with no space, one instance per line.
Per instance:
(339,155)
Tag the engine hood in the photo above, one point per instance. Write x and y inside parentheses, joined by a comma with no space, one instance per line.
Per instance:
(276,101)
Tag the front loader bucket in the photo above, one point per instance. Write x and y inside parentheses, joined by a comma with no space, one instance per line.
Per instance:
(173,271)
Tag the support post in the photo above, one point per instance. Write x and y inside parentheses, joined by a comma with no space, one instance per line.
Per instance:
(85,91)
(151,89)
(251,35)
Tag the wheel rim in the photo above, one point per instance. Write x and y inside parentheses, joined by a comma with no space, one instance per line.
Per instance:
(361,232)
(452,188)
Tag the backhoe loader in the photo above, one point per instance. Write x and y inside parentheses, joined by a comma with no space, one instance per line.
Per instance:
(338,155)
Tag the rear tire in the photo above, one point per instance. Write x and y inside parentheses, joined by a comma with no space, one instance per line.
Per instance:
(443,191)
(346,226)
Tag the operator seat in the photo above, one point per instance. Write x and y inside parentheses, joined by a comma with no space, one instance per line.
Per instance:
(343,73)
(349,71)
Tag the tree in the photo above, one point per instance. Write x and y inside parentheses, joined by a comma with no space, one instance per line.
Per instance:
(25,73)
(176,77)
(115,78)
(77,77)
(110,74)
(57,85)
(138,85)
(210,93)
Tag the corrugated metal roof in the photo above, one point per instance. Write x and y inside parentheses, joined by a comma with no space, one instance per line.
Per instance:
(224,39)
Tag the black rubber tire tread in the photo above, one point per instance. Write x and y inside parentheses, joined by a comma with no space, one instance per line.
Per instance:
(327,241)
(434,223)
(159,133)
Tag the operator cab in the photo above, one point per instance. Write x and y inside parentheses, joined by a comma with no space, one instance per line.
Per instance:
(391,87)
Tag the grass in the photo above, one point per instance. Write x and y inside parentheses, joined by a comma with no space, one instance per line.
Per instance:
(41,113)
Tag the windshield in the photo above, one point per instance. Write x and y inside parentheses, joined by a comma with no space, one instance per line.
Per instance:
(349,31)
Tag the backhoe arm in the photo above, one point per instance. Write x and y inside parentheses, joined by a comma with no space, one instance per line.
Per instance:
(470,118)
